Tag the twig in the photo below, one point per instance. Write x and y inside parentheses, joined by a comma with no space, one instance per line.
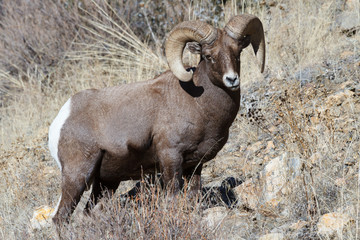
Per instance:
(148,24)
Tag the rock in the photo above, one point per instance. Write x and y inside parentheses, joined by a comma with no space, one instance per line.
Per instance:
(277,175)
(219,192)
(274,183)
(352,5)
(348,21)
(42,217)
(232,224)
(338,98)
(270,146)
(315,120)
(332,223)
(50,172)
(273,129)
(298,225)
(275,178)
(214,216)
(255,147)
(236,225)
(315,158)
(346,54)
(272,236)
(224,166)
(248,193)
(340,182)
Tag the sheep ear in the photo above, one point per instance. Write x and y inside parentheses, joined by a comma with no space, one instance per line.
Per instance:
(194,47)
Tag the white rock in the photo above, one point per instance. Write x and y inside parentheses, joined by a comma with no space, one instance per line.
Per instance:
(277,176)
(272,236)
(42,217)
(213,217)
(274,183)
(331,223)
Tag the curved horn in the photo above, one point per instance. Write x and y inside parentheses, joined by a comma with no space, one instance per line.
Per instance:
(246,24)
(184,32)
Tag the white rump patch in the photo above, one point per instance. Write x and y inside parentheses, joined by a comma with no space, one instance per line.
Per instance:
(57,206)
(55,129)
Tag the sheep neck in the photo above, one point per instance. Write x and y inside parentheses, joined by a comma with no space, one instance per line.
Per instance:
(221,99)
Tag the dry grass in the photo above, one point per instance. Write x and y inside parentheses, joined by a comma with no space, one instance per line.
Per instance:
(151,214)
(96,45)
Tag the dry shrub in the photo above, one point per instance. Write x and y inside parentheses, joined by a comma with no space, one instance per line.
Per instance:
(151,214)
(35,35)
(25,182)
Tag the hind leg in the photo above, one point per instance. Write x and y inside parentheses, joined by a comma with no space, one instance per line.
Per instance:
(77,173)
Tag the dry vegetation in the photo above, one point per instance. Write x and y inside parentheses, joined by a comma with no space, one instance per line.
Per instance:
(304,111)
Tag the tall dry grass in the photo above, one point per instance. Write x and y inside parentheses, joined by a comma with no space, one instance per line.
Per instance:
(95,44)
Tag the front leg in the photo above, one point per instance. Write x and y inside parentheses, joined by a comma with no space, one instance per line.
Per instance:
(171,162)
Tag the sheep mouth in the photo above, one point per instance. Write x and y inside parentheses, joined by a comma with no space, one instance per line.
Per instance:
(233,85)
(234,88)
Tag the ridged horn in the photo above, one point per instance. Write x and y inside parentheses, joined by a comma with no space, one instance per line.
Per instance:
(246,24)
(184,32)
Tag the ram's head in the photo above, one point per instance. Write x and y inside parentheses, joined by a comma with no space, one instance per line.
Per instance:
(220,49)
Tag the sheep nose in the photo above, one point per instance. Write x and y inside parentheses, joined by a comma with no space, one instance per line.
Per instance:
(232,79)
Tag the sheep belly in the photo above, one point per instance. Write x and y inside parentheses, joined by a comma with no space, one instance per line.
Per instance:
(129,162)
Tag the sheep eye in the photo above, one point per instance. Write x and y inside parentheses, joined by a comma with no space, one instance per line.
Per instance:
(208,57)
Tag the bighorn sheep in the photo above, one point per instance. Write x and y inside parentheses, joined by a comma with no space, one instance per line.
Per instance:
(172,124)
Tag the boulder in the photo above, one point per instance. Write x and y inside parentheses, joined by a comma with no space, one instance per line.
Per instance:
(333,223)
(273,184)
(277,176)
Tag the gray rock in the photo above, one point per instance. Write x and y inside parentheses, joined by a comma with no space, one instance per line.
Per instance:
(348,21)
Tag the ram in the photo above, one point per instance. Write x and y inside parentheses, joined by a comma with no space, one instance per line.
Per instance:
(171,124)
